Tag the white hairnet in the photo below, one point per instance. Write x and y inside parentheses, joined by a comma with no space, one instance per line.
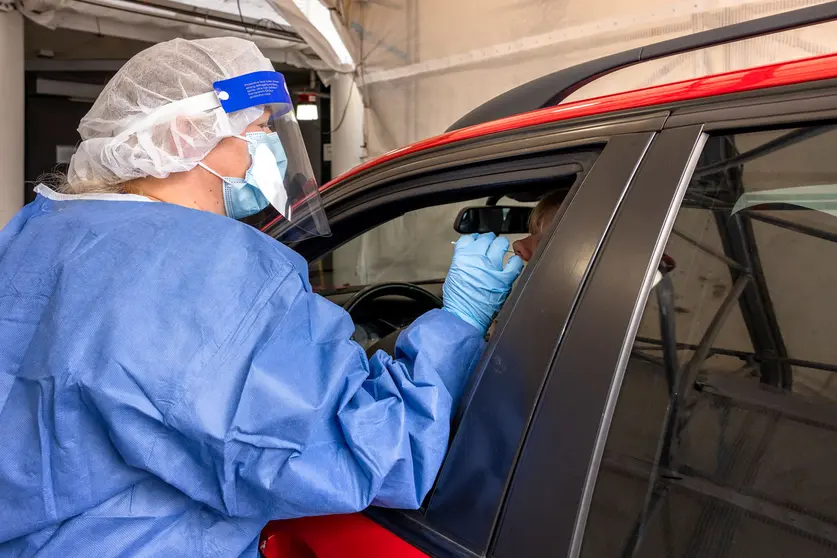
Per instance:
(178,137)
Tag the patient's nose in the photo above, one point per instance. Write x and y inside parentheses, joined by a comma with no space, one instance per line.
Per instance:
(525,247)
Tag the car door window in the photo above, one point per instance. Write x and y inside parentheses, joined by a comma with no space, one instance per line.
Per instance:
(414,248)
(724,437)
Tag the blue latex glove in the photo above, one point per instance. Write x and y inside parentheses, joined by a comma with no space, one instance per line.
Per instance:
(477,284)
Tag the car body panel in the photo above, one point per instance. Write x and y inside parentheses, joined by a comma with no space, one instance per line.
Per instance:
(332,536)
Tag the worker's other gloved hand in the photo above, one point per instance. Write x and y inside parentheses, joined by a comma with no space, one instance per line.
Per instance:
(477,284)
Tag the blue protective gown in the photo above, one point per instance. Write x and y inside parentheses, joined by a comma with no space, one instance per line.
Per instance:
(169,383)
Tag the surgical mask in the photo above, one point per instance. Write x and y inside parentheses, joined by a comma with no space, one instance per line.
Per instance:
(263,183)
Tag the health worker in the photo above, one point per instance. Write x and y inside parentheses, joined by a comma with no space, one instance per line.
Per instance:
(168,381)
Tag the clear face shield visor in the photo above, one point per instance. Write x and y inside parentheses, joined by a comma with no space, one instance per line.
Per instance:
(280,168)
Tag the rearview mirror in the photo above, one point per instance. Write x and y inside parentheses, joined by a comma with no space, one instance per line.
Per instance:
(496,218)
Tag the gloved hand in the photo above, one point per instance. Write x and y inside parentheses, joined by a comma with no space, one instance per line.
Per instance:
(477,284)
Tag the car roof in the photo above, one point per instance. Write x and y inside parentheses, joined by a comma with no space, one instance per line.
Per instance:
(774,75)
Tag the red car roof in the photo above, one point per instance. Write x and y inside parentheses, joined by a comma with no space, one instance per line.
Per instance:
(763,77)
(774,75)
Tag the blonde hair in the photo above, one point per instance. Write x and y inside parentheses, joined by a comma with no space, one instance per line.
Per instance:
(58,182)
(545,210)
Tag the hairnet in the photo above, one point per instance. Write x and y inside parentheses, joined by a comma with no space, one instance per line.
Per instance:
(119,143)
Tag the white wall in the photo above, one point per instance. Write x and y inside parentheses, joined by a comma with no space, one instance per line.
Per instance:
(425,63)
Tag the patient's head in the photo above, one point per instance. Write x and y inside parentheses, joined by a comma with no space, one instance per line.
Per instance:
(539,220)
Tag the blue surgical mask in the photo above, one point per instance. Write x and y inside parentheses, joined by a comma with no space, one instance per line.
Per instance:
(246,196)
(242,199)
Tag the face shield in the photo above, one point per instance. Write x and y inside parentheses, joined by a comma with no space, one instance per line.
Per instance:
(280,169)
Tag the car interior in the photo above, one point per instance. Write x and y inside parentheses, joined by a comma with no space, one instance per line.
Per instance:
(383,307)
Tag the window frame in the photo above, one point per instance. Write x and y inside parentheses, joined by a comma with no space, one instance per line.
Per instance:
(547,288)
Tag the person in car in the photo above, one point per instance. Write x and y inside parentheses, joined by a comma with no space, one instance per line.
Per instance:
(168,381)
(540,218)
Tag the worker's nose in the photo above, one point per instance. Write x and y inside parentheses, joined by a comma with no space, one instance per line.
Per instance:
(524,248)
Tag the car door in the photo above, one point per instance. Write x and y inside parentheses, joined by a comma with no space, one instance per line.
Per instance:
(550,483)
(691,413)
(460,515)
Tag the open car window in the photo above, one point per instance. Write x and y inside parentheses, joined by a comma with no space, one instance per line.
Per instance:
(724,436)
(413,248)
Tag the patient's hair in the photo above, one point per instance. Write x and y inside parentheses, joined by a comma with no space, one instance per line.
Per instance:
(545,208)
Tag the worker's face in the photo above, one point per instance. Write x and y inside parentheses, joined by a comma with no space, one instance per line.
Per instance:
(526,247)
(231,156)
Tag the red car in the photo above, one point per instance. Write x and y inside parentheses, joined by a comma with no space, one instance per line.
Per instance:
(661,382)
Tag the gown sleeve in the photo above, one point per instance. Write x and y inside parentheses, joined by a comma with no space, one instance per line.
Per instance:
(290,418)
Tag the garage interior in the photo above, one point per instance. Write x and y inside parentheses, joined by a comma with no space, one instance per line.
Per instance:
(380,75)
